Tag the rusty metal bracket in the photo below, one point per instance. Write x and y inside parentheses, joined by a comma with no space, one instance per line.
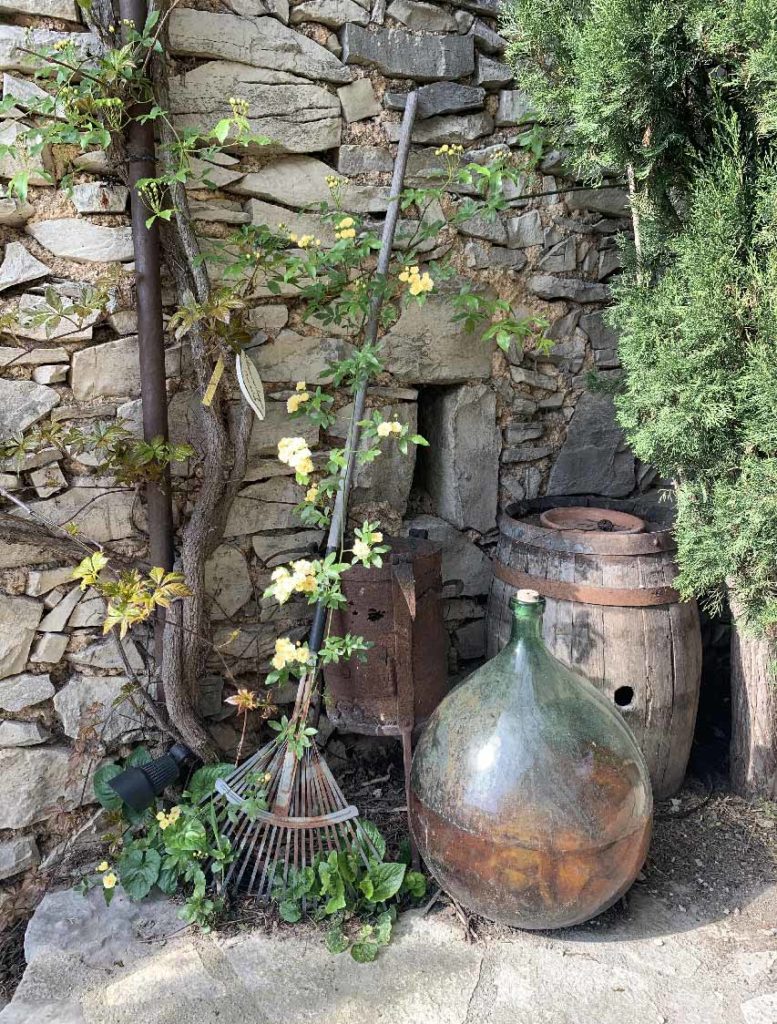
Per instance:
(612,597)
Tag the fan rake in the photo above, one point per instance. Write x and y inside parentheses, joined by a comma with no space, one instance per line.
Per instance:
(308,814)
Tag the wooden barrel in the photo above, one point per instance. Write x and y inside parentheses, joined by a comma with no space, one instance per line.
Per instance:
(613,615)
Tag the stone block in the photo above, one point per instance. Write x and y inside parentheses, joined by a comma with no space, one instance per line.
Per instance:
(22,734)
(100,513)
(56,620)
(268,505)
(358,100)
(50,374)
(517,433)
(103,656)
(112,368)
(333,13)
(39,783)
(490,229)
(470,640)
(63,10)
(492,74)
(460,469)
(440,98)
(100,197)
(278,548)
(388,478)
(22,403)
(422,17)
(82,241)
(466,570)
(48,480)
(521,482)
(227,582)
(292,357)
(49,648)
(364,160)
(18,158)
(576,290)
(94,702)
(454,129)
(41,581)
(24,691)
(612,202)
(594,458)
(401,54)
(533,379)
(19,618)
(14,213)
(19,266)
(298,116)
(17,855)
(426,346)
(526,230)
(525,453)
(259,42)
(514,108)
(16,42)
(601,335)
(559,259)
(486,40)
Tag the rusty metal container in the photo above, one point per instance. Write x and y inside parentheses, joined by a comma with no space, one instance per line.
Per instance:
(398,608)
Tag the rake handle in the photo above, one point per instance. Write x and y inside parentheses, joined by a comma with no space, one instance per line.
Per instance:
(337,524)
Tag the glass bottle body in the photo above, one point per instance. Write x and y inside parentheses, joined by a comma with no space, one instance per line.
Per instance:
(530,800)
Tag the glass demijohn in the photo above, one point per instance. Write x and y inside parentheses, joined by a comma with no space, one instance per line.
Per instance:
(530,799)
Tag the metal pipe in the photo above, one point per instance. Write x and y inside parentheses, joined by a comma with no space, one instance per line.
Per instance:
(141,163)
(338,520)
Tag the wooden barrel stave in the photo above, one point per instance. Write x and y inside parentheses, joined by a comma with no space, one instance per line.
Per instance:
(655,650)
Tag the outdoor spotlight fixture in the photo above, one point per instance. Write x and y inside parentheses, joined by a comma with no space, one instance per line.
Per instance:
(139,786)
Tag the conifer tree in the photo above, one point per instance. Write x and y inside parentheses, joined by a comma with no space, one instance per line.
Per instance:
(680,98)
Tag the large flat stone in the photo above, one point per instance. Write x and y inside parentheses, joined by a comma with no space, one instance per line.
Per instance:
(440,98)
(291,357)
(426,346)
(612,202)
(466,570)
(260,42)
(82,241)
(22,403)
(595,458)
(227,581)
(19,618)
(93,702)
(64,10)
(546,286)
(268,505)
(401,54)
(460,469)
(20,266)
(24,691)
(38,783)
(99,513)
(422,17)
(22,734)
(388,478)
(18,854)
(300,181)
(108,369)
(16,42)
(333,13)
(296,115)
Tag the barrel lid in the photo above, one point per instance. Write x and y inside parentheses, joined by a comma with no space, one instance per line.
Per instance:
(594,520)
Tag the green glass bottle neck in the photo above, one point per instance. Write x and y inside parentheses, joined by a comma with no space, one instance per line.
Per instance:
(527,621)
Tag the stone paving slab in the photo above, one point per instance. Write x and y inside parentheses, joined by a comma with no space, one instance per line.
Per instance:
(129,964)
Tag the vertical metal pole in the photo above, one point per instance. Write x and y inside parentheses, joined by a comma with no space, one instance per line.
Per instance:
(151,339)
(141,163)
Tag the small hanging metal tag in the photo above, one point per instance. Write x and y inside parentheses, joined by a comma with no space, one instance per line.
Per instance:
(250,384)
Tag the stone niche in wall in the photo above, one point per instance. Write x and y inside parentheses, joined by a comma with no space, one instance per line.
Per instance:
(326,81)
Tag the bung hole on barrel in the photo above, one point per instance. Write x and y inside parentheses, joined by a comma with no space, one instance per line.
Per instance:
(623,696)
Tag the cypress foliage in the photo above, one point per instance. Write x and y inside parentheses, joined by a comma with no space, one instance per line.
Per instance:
(686,93)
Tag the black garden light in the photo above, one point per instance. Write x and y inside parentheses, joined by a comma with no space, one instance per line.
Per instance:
(139,786)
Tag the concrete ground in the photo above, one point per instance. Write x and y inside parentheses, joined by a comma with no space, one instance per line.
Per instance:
(651,963)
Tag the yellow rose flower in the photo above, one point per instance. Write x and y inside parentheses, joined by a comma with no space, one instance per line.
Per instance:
(311,493)
(377,537)
(384,429)
(295,401)
(305,466)
(109,880)
(360,549)
(103,866)
(300,386)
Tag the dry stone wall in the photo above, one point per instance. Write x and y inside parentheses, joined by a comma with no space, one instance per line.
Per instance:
(326,80)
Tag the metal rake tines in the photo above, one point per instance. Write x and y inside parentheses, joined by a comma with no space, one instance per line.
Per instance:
(267,844)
